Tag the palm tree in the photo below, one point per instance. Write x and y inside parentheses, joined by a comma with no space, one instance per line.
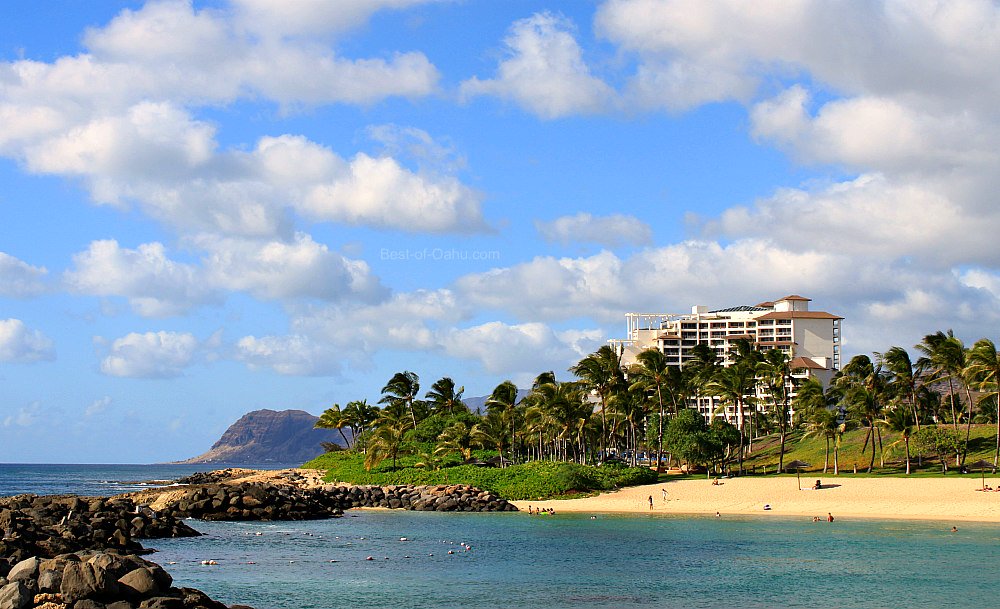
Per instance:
(945,355)
(734,384)
(905,379)
(703,365)
(444,398)
(456,438)
(825,422)
(775,372)
(387,439)
(490,432)
(564,407)
(651,375)
(984,364)
(333,418)
(601,372)
(898,420)
(863,386)
(503,402)
(360,415)
(403,388)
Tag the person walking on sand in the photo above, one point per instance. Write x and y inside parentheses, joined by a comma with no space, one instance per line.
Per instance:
(650,502)
(664,491)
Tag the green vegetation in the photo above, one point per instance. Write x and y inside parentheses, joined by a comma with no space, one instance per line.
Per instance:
(887,414)
(534,480)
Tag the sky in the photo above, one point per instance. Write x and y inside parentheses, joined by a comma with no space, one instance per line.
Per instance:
(209,208)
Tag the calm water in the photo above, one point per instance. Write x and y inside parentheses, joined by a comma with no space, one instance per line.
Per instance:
(572,561)
(95,480)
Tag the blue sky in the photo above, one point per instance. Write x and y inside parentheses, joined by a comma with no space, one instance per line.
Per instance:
(214,207)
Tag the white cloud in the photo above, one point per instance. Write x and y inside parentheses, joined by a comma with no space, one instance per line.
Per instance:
(511,349)
(18,279)
(20,344)
(277,270)
(545,71)
(870,216)
(154,285)
(288,355)
(150,355)
(25,417)
(310,17)
(610,231)
(380,192)
(98,406)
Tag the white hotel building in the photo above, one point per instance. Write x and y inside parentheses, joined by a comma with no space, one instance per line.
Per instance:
(810,338)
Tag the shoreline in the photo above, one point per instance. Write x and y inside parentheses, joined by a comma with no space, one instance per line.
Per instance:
(932,499)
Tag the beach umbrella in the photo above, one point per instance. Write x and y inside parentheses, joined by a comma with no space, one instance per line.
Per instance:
(982,465)
(798,466)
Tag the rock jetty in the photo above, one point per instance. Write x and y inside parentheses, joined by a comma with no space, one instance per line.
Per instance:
(48,526)
(94,580)
(263,501)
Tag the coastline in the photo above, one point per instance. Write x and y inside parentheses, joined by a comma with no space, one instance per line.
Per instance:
(938,499)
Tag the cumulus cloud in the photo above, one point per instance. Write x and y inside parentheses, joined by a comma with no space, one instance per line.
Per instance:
(424,321)
(544,71)
(275,270)
(288,355)
(310,17)
(610,231)
(150,355)
(18,279)
(154,285)
(120,118)
(20,344)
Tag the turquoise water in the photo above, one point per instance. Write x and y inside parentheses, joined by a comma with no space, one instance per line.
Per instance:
(573,561)
(562,561)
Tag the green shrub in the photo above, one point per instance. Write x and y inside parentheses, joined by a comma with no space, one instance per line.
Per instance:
(534,480)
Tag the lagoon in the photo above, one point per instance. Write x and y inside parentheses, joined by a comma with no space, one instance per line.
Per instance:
(573,561)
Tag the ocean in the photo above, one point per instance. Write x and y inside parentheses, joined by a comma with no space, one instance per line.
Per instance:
(513,560)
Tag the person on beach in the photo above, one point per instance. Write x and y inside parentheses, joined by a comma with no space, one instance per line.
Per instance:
(664,491)
(650,502)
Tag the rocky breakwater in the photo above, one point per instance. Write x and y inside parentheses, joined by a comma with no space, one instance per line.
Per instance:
(94,580)
(267,501)
(433,498)
(250,501)
(48,526)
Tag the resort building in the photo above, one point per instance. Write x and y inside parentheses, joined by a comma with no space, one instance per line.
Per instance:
(811,339)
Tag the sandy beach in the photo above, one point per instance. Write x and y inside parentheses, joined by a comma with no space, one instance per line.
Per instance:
(946,499)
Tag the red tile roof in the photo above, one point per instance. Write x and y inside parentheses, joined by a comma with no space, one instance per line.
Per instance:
(796,297)
(804,362)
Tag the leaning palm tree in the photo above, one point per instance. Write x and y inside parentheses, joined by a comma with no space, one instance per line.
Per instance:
(899,420)
(984,366)
(334,418)
(825,422)
(445,398)
(601,372)
(402,389)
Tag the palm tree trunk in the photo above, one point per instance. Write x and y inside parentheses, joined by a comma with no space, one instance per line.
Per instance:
(906,445)
(968,423)
(659,436)
(826,457)
(996,455)
(836,457)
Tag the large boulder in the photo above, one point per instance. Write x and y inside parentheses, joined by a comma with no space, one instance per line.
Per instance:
(15,595)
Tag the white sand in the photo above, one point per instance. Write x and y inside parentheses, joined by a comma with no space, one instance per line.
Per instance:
(950,499)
